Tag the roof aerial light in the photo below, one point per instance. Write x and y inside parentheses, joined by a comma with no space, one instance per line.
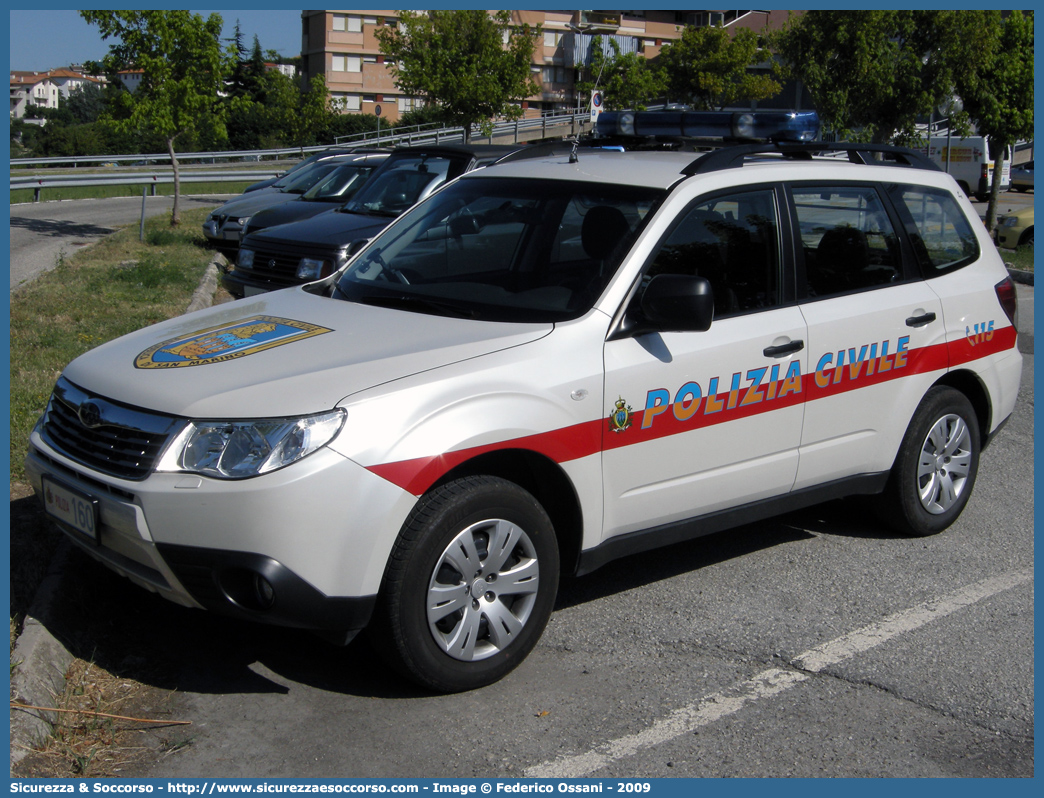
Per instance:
(718,125)
(743,126)
(625,124)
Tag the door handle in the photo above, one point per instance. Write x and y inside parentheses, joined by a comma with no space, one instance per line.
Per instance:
(920,321)
(784,349)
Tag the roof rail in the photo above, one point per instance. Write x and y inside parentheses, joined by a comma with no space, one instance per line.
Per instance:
(732,157)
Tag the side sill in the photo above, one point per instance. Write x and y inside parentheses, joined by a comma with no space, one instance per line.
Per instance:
(679,531)
(992,435)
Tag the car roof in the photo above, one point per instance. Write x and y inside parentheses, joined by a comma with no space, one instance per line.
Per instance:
(483,153)
(663,169)
(652,169)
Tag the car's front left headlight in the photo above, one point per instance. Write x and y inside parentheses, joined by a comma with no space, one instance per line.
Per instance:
(243,449)
(313,268)
(1007,221)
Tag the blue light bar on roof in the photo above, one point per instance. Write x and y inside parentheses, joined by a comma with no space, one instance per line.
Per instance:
(746,125)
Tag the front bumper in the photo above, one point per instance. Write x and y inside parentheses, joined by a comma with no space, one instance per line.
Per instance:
(303,547)
(223,235)
(241,283)
(1008,237)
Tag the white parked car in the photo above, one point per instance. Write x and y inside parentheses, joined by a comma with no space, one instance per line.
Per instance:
(546,365)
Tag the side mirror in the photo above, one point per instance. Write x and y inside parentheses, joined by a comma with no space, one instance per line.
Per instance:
(677,303)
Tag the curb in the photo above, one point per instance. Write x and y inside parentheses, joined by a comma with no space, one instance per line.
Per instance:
(203,297)
(1021,276)
(41,663)
(40,659)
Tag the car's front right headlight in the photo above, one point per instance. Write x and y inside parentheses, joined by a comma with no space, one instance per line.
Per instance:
(243,449)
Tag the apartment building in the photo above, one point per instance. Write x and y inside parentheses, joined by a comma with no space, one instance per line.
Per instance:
(44,89)
(342,46)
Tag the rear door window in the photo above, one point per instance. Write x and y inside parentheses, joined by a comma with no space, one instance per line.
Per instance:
(847,238)
(942,238)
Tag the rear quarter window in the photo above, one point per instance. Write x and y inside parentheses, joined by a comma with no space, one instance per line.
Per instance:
(942,237)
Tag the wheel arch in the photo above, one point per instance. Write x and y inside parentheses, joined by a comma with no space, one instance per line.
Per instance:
(546,481)
(969,384)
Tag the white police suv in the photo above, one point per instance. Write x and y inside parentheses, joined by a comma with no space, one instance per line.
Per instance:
(546,365)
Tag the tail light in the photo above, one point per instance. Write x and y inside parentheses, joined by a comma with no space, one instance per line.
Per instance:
(1009,300)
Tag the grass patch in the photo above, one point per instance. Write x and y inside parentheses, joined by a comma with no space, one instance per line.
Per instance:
(85,743)
(1021,258)
(101,192)
(102,292)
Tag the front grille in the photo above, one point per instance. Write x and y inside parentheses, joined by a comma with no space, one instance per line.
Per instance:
(117,439)
(275,268)
(276,264)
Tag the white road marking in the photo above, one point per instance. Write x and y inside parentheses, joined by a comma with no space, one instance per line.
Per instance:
(774,681)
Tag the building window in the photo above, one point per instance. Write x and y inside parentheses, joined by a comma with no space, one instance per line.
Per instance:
(553,74)
(346,63)
(552,38)
(354,24)
(343,101)
(338,21)
(369,20)
(369,98)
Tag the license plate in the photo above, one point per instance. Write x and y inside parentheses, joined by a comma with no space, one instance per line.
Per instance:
(231,236)
(249,290)
(72,508)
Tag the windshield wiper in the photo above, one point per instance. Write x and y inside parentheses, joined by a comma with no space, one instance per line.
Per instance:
(416,303)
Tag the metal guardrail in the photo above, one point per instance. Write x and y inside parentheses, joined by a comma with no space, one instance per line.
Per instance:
(152,179)
(515,131)
(411,136)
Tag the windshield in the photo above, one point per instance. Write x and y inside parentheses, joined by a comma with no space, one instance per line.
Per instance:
(307,178)
(402,184)
(340,184)
(502,250)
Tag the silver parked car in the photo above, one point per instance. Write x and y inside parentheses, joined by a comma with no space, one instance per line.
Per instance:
(1022,176)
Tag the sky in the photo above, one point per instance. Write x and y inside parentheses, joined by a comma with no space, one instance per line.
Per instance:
(42,40)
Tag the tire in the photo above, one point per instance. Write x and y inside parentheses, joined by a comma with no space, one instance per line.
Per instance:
(454,614)
(1026,239)
(935,469)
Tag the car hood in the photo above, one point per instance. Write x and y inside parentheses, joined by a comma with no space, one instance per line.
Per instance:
(283,353)
(292,212)
(331,228)
(254,202)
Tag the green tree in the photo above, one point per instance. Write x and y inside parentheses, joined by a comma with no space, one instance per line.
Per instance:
(996,85)
(709,68)
(871,74)
(183,68)
(85,103)
(237,82)
(459,62)
(627,80)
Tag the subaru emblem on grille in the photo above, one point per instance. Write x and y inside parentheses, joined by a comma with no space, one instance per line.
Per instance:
(90,415)
(271,264)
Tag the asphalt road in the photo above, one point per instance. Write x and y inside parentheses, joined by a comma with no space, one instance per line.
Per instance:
(42,232)
(817,644)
